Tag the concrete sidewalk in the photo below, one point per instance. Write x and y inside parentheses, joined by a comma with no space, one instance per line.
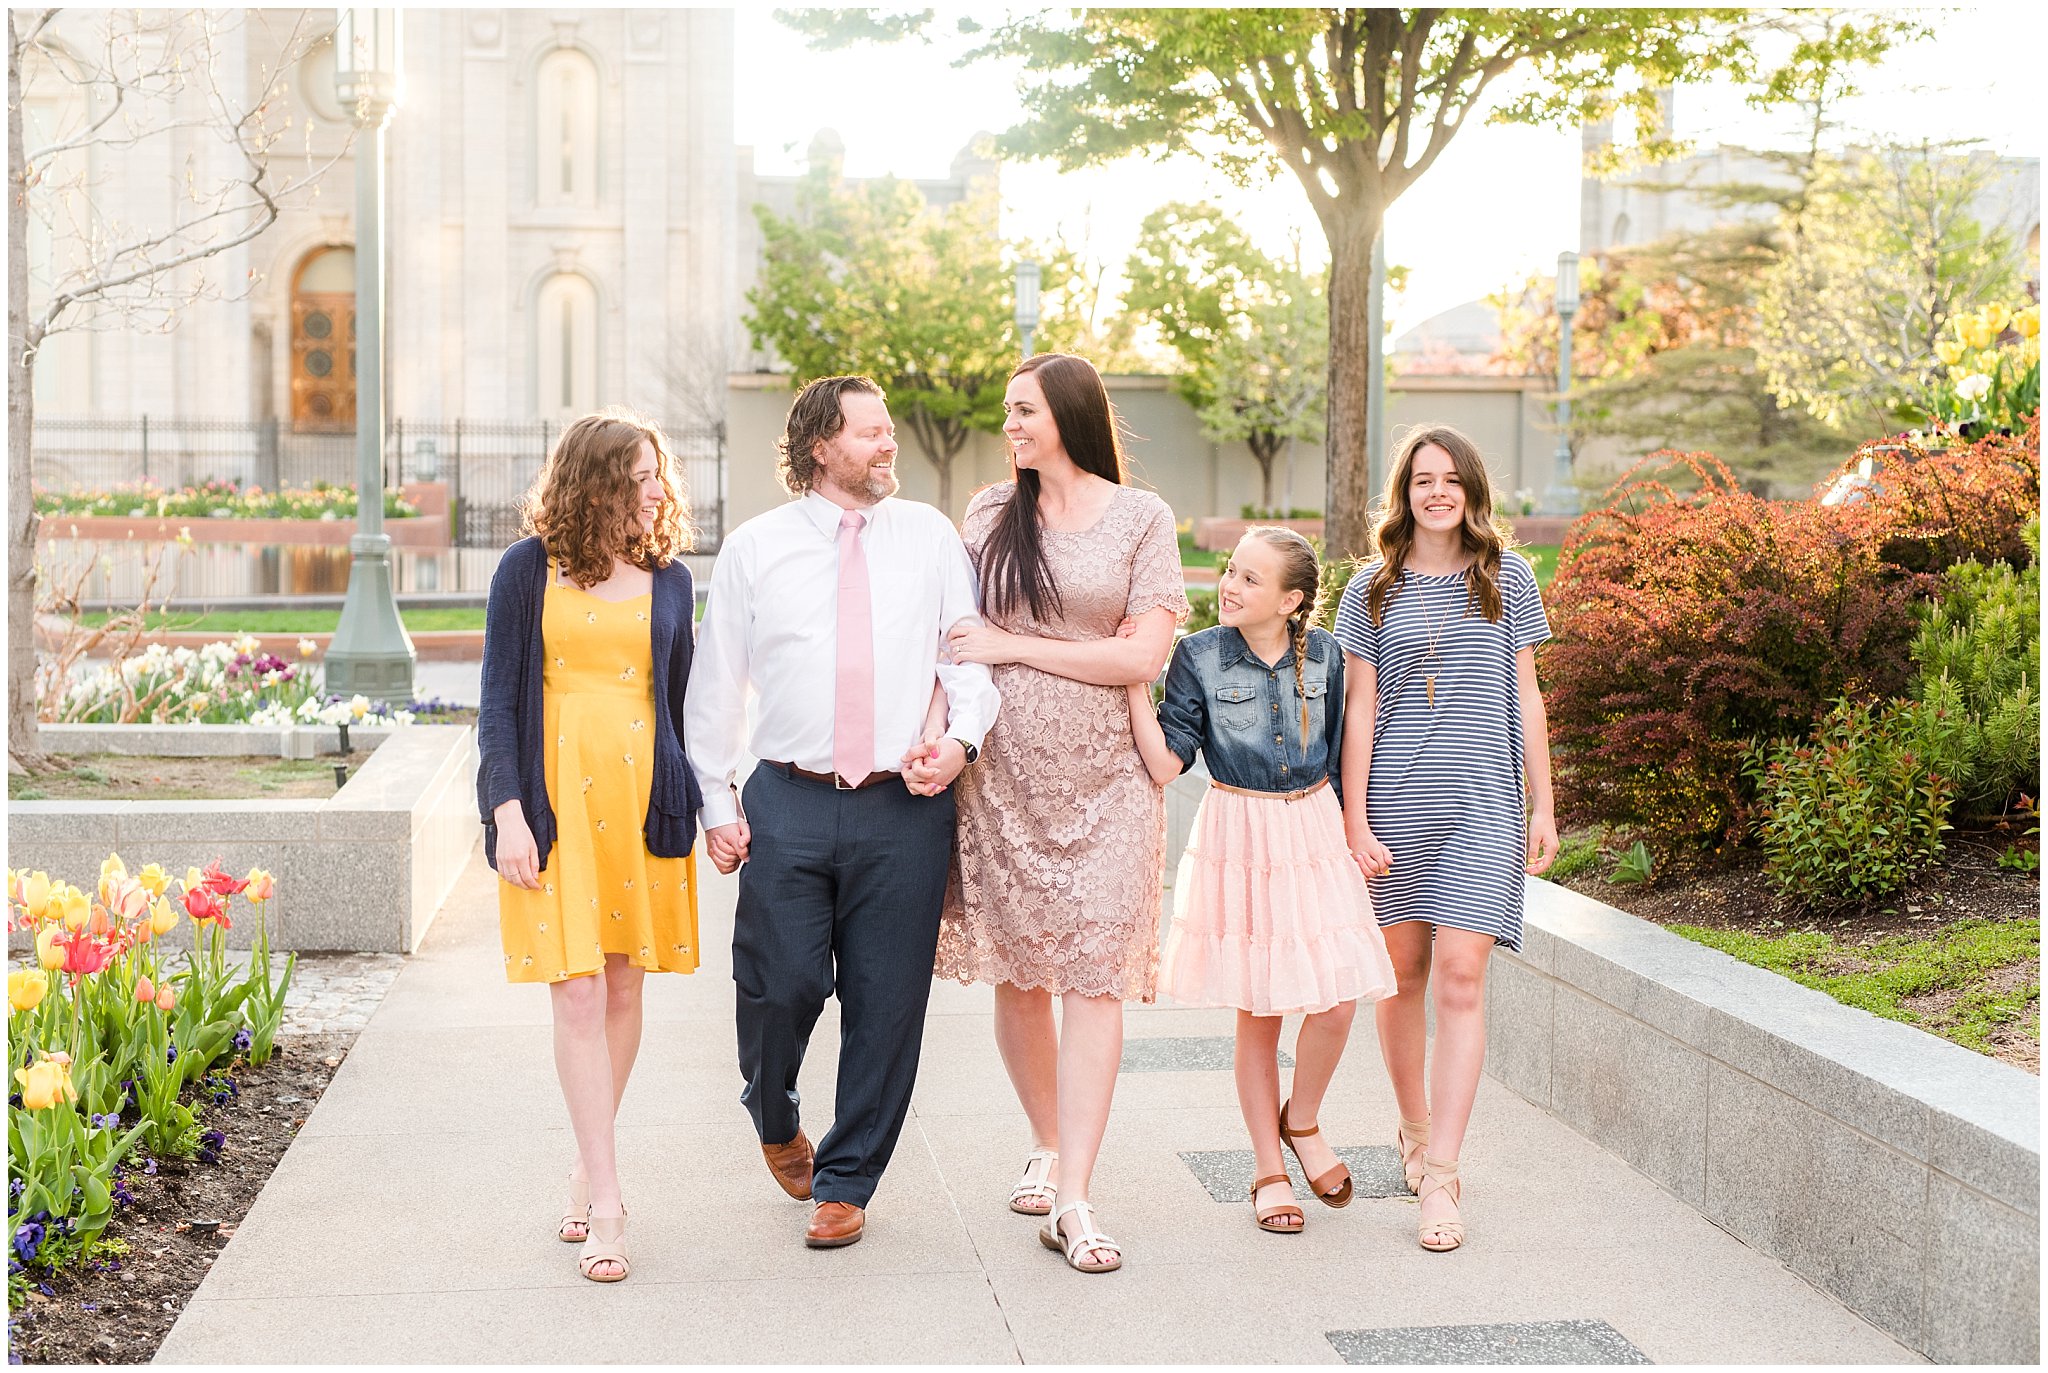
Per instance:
(413,1220)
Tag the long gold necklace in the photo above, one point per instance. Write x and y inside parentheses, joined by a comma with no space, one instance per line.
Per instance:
(1430,655)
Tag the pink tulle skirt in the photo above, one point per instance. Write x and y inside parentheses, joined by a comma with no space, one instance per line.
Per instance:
(1270,914)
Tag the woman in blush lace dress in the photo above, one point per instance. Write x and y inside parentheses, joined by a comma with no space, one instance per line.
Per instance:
(1062,834)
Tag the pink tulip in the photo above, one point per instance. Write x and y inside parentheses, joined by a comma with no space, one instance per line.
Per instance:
(145,991)
(165,997)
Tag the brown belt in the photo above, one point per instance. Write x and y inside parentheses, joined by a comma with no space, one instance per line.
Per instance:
(831,779)
(1288,796)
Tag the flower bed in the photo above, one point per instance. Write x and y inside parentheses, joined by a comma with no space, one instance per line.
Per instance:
(220,501)
(113,1048)
(225,682)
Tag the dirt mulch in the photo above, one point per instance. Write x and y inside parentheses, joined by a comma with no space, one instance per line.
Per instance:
(182,1216)
(136,777)
(1730,891)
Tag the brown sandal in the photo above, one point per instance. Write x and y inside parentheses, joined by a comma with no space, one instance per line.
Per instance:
(1328,1196)
(1266,1217)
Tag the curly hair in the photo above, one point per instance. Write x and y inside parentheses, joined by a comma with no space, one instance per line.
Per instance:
(814,416)
(585,506)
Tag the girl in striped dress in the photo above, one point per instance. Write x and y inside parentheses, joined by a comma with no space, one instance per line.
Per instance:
(1446,746)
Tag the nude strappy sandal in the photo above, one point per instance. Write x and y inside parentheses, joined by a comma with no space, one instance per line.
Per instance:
(1337,1198)
(1411,1141)
(576,1214)
(1034,1196)
(1265,1217)
(1441,1175)
(600,1249)
(1085,1238)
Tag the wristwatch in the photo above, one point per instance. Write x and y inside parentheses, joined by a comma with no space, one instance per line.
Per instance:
(970,750)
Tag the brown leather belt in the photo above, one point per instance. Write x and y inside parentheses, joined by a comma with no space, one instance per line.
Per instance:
(831,779)
(1288,796)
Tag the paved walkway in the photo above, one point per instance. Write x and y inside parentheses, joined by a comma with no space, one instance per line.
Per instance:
(413,1219)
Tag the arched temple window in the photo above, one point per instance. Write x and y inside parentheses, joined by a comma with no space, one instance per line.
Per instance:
(565,143)
(565,324)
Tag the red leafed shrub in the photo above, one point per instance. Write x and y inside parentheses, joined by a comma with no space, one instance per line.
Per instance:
(1688,625)
(1968,503)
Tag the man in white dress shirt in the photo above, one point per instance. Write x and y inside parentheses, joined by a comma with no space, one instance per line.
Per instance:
(832,611)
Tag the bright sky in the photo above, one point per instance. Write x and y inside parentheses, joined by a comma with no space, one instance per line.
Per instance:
(1501,202)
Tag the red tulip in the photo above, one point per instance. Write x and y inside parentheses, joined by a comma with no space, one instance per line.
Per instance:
(84,955)
(202,905)
(222,883)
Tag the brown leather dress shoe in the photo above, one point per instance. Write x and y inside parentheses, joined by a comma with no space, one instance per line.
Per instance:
(790,1164)
(835,1223)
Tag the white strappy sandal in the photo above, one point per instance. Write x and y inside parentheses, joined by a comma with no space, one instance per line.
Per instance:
(1033,1195)
(1085,1238)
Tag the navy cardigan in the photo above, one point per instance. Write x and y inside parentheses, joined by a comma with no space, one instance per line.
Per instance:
(511,718)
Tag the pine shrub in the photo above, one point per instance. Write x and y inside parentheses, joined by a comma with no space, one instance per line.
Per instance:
(1977,698)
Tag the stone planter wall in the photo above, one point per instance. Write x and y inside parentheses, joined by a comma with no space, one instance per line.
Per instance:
(428,529)
(362,871)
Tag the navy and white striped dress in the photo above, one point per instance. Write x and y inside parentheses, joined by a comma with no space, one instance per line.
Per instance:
(1445,793)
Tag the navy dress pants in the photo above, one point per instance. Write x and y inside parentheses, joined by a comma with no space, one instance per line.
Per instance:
(840,893)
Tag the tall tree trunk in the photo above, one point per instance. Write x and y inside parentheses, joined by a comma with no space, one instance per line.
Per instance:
(24,741)
(1265,446)
(1351,227)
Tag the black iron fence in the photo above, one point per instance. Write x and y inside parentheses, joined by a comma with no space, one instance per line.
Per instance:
(488,464)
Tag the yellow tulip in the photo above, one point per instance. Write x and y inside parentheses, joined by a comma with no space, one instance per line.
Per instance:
(162,916)
(35,893)
(1949,351)
(46,1083)
(26,988)
(77,906)
(1976,331)
(261,886)
(2028,321)
(194,878)
(154,879)
(47,952)
(1997,317)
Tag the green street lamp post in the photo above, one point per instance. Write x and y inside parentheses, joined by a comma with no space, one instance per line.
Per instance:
(371,655)
(1563,496)
(1027,303)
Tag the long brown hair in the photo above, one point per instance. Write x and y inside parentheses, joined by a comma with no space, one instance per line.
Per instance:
(1484,535)
(1013,566)
(585,505)
(1298,572)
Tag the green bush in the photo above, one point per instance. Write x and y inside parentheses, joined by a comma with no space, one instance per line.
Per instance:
(1977,700)
(1853,814)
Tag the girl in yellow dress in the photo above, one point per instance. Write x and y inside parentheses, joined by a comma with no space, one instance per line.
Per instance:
(589,804)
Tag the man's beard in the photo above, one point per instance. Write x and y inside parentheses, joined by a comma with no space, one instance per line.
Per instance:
(881,488)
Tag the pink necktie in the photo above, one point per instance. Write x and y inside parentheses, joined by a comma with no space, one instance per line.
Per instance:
(853,712)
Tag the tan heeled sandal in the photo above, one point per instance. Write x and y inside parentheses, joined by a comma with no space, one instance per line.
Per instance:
(602,1248)
(1411,1141)
(1441,1175)
(1035,1193)
(1326,1193)
(576,1215)
(1267,1215)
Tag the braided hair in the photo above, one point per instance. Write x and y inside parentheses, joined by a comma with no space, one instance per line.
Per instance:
(1298,572)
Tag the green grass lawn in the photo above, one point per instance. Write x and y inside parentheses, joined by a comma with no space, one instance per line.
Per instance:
(227,623)
(1884,976)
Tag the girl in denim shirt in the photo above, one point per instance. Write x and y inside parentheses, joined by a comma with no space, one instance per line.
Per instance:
(1271,915)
